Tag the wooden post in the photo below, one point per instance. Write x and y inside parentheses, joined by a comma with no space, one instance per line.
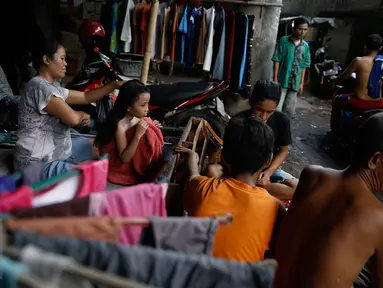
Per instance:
(149,41)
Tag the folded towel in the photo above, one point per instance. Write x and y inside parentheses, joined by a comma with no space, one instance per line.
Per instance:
(146,162)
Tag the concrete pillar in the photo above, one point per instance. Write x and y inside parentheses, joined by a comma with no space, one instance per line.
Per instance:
(265,36)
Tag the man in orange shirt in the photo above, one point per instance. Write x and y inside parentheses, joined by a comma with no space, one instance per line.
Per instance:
(248,146)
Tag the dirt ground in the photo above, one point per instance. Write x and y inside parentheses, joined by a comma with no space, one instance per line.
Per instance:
(310,128)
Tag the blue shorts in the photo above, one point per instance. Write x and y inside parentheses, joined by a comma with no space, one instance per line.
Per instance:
(280,175)
(81,151)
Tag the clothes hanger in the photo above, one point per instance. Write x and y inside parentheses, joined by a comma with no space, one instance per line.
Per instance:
(224,220)
(48,183)
(93,275)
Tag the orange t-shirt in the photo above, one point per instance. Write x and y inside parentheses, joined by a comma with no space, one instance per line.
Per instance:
(254,213)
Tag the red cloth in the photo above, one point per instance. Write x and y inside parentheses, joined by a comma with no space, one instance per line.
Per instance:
(351,102)
(19,199)
(230,50)
(94,177)
(144,165)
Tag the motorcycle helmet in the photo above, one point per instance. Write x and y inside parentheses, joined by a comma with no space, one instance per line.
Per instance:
(92,33)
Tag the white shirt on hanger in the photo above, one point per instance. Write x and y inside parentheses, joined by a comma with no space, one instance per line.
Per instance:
(126,33)
(210,15)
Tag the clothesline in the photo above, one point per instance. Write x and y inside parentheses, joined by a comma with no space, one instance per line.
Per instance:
(244,2)
(81,271)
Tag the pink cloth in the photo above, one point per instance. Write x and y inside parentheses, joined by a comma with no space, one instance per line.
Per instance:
(19,199)
(94,177)
(144,200)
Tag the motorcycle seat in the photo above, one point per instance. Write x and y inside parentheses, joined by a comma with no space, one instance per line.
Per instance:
(168,94)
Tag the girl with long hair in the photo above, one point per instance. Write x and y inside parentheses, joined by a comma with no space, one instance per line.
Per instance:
(132,140)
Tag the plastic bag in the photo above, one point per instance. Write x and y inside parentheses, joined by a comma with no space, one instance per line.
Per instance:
(103,107)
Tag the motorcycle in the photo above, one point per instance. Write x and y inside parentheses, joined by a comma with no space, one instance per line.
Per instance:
(323,74)
(323,69)
(346,121)
(171,104)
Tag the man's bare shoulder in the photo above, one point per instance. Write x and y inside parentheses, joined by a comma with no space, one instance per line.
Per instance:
(311,177)
(316,171)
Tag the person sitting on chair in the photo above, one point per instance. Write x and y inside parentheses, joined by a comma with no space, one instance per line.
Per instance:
(247,148)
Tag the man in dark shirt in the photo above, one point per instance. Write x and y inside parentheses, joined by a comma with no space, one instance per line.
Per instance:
(263,102)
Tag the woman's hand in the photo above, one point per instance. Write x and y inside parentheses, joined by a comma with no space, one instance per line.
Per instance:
(141,128)
(119,84)
(85,120)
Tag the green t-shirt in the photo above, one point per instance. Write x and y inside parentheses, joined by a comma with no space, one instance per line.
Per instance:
(292,59)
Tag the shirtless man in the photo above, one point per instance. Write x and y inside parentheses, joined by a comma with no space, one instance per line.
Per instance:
(335,223)
(362,66)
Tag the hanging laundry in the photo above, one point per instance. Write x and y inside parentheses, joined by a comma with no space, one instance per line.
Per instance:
(183,28)
(7,184)
(75,207)
(137,13)
(51,267)
(126,33)
(173,26)
(154,267)
(146,162)
(62,192)
(247,77)
(192,37)
(88,228)
(240,48)
(230,28)
(210,16)
(93,178)
(156,49)
(200,55)
(145,200)
(184,234)
(244,56)
(114,40)
(10,272)
(144,25)
(219,42)
(19,199)
(164,47)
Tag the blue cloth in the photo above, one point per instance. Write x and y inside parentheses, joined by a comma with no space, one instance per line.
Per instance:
(280,175)
(191,32)
(10,272)
(375,76)
(183,28)
(81,151)
(243,62)
(7,184)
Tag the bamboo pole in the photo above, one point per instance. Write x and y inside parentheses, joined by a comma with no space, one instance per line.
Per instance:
(149,41)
